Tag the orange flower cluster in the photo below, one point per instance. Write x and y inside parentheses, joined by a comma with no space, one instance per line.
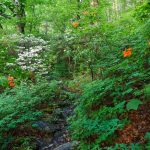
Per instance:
(127,52)
(11,81)
(75,24)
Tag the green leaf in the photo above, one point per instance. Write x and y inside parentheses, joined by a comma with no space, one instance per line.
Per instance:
(133,104)
(147,136)
(147,90)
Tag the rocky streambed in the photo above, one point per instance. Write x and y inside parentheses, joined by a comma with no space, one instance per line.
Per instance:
(55,128)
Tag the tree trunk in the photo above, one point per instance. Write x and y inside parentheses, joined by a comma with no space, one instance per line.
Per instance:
(20,15)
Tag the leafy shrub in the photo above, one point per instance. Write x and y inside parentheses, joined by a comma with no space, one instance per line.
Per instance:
(101,109)
(21,104)
(3,81)
(93,122)
(142,12)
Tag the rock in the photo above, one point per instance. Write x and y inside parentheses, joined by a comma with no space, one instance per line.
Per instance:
(67,112)
(40,144)
(66,146)
(58,112)
(46,127)
(44,144)
(59,137)
(63,113)
(55,124)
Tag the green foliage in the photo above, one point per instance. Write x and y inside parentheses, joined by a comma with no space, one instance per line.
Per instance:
(3,81)
(120,79)
(147,136)
(25,143)
(94,118)
(147,90)
(142,12)
(20,104)
(8,55)
(125,146)
(90,54)
(133,104)
(5,141)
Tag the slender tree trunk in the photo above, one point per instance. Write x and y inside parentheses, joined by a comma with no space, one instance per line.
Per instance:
(32,24)
(20,15)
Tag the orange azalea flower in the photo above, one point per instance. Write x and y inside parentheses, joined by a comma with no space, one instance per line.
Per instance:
(10,78)
(12,84)
(127,52)
(75,24)
(129,49)
(124,53)
(11,81)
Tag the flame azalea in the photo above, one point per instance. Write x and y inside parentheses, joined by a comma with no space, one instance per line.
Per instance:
(127,52)
(12,84)
(10,78)
(75,24)
(129,49)
(11,81)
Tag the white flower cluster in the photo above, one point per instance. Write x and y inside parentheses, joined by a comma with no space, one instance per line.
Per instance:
(30,50)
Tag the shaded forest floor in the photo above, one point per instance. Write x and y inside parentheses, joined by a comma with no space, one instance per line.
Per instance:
(140,124)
